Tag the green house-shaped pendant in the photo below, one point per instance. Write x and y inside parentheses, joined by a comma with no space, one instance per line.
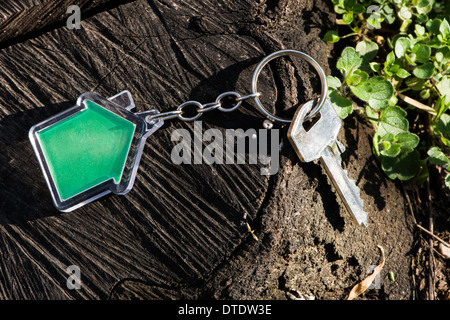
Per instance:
(92,149)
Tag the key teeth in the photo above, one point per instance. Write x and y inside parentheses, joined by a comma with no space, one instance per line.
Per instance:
(346,187)
(360,201)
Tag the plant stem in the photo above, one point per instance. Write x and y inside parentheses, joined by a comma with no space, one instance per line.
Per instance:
(431,262)
(373,119)
(433,235)
(403,90)
(349,35)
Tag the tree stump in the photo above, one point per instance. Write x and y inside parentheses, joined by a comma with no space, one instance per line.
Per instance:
(181,232)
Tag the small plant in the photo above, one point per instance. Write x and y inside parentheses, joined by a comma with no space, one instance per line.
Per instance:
(400,71)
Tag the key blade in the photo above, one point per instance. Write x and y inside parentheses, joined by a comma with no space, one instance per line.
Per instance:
(347,189)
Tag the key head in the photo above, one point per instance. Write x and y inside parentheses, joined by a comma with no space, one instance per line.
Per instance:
(309,144)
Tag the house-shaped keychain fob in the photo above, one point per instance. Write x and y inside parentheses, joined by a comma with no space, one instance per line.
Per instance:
(92,149)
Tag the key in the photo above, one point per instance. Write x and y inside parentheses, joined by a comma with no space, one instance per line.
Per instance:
(320,141)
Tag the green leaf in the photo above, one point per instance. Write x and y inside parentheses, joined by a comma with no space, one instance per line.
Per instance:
(402,73)
(420,30)
(373,116)
(407,141)
(422,18)
(441,106)
(415,83)
(424,7)
(347,17)
(404,167)
(349,4)
(444,29)
(392,145)
(339,10)
(374,20)
(392,150)
(374,66)
(423,3)
(390,58)
(436,156)
(367,49)
(422,52)
(389,137)
(358,8)
(331,37)
(410,59)
(405,13)
(343,106)
(394,112)
(444,124)
(436,42)
(433,25)
(395,68)
(388,14)
(349,60)
(424,71)
(445,141)
(442,128)
(393,101)
(443,54)
(444,86)
(333,82)
(376,142)
(357,77)
(402,45)
(425,94)
(393,120)
(376,91)
(447,180)
(391,65)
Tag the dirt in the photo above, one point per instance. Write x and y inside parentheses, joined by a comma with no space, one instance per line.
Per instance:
(308,247)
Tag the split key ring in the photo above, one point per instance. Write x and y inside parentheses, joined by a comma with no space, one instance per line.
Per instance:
(277,54)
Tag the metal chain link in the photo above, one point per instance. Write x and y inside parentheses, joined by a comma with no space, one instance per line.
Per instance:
(202,108)
(217,104)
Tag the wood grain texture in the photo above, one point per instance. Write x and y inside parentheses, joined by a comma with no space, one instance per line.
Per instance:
(11,7)
(24,19)
(178,223)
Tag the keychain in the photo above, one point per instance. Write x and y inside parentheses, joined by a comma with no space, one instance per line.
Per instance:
(95,147)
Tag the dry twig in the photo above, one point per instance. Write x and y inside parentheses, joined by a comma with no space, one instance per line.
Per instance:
(433,235)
